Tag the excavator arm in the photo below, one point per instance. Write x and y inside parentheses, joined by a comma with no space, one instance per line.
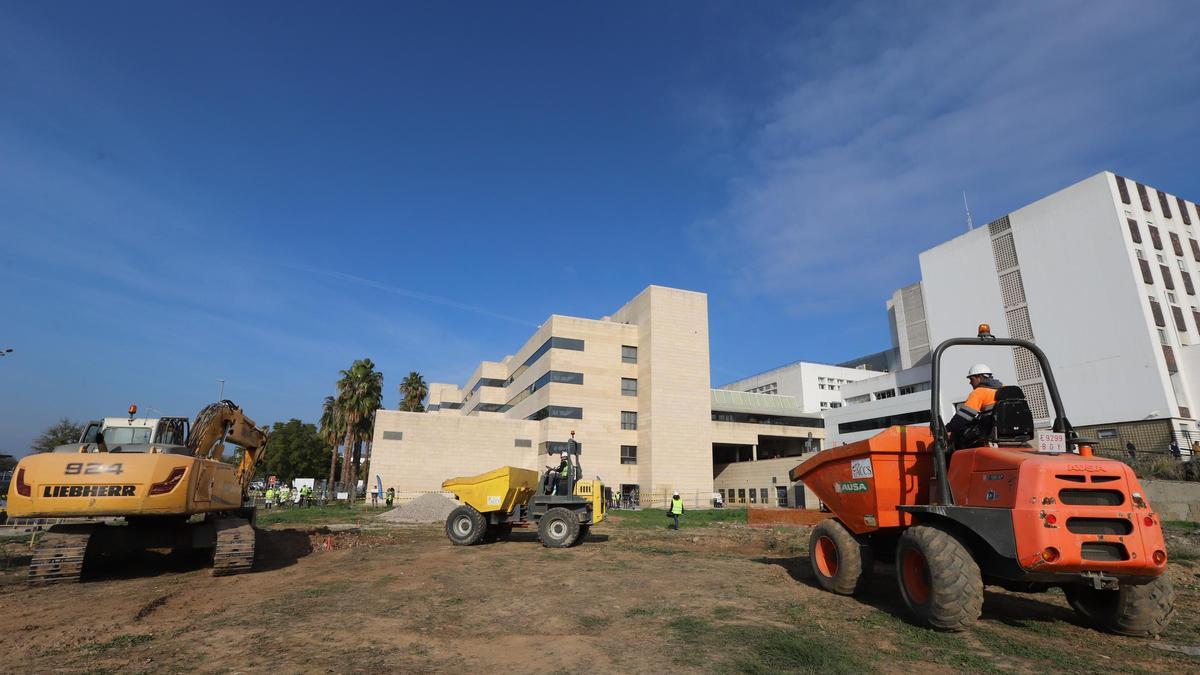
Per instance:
(222,422)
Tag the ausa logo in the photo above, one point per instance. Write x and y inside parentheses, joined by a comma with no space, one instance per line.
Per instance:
(850,486)
(88,490)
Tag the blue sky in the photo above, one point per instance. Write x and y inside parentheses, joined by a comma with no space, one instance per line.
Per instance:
(263,192)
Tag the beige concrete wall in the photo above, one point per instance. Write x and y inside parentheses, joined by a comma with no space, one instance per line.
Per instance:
(767,473)
(675,438)
(437,447)
(1174,500)
(740,433)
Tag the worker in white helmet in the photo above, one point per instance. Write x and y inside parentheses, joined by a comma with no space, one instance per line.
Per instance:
(965,427)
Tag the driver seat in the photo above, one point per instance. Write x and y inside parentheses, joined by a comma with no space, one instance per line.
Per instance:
(1012,421)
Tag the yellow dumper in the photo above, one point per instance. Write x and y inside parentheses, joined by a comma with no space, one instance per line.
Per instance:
(563,507)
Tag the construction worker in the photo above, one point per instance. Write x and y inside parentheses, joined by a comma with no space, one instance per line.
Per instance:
(390,496)
(270,497)
(564,475)
(965,427)
(676,509)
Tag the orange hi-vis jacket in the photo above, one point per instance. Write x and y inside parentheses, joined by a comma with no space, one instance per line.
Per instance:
(981,398)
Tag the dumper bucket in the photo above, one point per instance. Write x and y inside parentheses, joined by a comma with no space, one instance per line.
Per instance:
(497,490)
(862,483)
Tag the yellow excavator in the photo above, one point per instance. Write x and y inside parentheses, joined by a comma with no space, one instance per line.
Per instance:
(149,483)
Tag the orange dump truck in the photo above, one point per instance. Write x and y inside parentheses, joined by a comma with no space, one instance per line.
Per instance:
(1025,510)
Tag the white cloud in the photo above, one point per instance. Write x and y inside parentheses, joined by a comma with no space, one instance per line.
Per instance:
(888,111)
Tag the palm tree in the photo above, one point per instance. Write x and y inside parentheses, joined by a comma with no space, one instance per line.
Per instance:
(332,430)
(413,391)
(360,393)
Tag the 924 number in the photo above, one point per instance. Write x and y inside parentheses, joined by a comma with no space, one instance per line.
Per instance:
(91,468)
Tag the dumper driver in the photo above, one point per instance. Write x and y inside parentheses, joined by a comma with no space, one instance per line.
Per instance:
(564,475)
(965,427)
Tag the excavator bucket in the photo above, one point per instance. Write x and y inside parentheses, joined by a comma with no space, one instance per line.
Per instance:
(863,483)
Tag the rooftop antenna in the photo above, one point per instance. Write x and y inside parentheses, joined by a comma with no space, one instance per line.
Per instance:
(970,223)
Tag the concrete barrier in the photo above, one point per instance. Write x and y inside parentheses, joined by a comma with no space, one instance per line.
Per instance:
(1174,500)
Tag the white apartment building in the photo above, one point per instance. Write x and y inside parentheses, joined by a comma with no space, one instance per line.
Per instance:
(1102,276)
(635,389)
(815,386)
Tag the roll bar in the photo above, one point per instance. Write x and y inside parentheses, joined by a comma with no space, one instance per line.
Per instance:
(941,440)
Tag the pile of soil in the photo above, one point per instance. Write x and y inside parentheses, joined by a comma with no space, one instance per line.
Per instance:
(428,508)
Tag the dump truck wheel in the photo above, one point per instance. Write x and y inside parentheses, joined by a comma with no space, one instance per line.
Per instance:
(839,562)
(939,580)
(559,528)
(583,533)
(1140,611)
(465,526)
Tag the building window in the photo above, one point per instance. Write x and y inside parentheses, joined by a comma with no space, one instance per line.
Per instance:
(1146,275)
(1140,254)
(1171,297)
(1176,244)
(835,404)
(886,393)
(1160,258)
(393,435)
(1134,233)
(628,420)
(628,354)
(753,496)
(522,443)
(628,386)
(741,495)
(1181,267)
(762,496)
(557,411)
(629,454)
(1162,337)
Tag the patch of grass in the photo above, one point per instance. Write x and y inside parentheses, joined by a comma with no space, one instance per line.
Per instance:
(767,649)
(1042,652)
(775,650)
(657,519)
(690,629)
(659,550)
(636,612)
(592,622)
(916,643)
(724,612)
(1190,526)
(121,642)
(317,515)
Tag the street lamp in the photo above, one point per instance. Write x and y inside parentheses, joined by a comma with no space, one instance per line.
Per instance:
(221,395)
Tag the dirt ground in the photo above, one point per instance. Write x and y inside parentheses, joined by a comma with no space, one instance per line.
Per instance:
(715,599)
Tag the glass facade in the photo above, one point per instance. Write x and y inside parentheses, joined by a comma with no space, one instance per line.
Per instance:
(753,418)
(563,411)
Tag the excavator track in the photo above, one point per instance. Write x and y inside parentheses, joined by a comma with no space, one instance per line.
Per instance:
(234,552)
(58,557)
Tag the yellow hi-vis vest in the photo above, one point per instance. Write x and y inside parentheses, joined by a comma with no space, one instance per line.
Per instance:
(677,507)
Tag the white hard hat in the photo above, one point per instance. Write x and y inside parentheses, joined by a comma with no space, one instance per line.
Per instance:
(979,369)
(674,494)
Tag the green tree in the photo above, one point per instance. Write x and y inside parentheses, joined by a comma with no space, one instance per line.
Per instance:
(413,391)
(294,450)
(7,462)
(60,433)
(360,393)
(332,430)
